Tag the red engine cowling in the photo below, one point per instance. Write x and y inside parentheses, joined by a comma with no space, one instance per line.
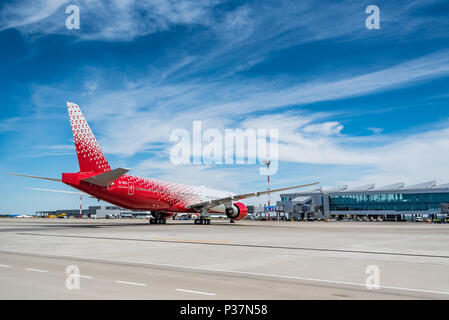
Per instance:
(238,211)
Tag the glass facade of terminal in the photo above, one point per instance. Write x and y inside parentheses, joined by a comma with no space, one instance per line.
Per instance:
(395,202)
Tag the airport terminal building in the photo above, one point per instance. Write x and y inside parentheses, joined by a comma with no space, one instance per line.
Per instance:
(392,202)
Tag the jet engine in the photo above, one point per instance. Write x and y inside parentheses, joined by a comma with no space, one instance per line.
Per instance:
(238,211)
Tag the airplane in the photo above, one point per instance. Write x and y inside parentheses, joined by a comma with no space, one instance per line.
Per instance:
(20,216)
(163,199)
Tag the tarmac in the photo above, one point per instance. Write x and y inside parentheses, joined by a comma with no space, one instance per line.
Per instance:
(131,259)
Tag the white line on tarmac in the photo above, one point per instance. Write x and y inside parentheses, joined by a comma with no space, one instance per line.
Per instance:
(4,266)
(198,292)
(80,276)
(36,270)
(132,283)
(92,259)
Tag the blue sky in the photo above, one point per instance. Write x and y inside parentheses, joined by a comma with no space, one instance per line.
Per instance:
(352,105)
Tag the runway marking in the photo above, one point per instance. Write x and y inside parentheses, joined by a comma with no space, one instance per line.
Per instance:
(198,292)
(4,266)
(230,244)
(36,270)
(131,283)
(81,276)
(191,241)
(151,264)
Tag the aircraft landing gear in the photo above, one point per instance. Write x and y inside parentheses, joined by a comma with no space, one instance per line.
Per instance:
(202,220)
(158,220)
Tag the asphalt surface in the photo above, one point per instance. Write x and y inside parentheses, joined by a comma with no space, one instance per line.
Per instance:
(130,259)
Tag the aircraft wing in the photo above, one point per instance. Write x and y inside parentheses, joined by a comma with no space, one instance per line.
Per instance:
(216,202)
(35,177)
(62,191)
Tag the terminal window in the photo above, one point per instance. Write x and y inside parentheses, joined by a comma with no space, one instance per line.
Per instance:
(396,202)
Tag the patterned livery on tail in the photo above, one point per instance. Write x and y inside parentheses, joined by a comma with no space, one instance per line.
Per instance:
(90,156)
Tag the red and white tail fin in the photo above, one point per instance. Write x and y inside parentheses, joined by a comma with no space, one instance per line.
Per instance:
(90,156)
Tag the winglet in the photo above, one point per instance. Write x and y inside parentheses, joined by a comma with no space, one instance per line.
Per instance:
(29,176)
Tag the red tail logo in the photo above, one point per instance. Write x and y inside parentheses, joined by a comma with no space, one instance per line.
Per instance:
(90,156)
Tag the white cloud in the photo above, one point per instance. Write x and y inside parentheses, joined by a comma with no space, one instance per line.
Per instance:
(23,13)
(375,130)
(116,20)
(326,128)
(269,26)
(10,124)
(237,25)
(142,115)
(413,158)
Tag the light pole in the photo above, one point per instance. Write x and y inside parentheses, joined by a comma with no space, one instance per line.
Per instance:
(81,206)
(267,163)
